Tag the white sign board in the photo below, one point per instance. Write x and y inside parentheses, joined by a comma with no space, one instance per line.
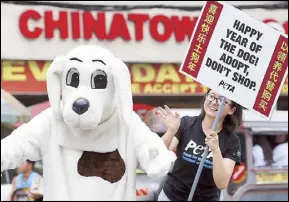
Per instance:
(242,58)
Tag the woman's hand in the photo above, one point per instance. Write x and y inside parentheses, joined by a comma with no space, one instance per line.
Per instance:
(170,119)
(212,140)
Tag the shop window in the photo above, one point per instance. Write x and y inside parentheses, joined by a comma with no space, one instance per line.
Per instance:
(270,150)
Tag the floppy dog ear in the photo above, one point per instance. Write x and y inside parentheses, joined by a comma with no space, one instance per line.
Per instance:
(122,82)
(53,80)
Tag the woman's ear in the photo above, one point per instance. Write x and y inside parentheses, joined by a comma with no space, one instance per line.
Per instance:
(53,81)
(232,110)
(122,82)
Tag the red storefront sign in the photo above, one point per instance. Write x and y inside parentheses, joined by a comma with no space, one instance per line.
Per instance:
(29,77)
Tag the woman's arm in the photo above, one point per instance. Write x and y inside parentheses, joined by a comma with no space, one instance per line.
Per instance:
(172,121)
(223,166)
(222,169)
(170,140)
(174,144)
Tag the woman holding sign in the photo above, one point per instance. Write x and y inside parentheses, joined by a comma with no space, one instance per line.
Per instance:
(189,136)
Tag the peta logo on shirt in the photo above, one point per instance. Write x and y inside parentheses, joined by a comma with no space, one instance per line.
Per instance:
(193,153)
(238,153)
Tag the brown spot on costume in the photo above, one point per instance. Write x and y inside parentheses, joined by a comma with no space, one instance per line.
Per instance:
(109,166)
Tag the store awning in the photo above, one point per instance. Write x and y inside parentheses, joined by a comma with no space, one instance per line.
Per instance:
(38,108)
(12,110)
(35,110)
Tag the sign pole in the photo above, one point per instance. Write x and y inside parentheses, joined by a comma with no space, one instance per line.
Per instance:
(216,121)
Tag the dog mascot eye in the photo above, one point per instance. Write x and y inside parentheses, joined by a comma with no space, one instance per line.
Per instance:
(98,80)
(72,78)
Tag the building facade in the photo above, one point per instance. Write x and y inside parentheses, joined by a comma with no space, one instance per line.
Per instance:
(151,37)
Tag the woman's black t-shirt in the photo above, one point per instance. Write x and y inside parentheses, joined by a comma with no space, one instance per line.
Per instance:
(189,154)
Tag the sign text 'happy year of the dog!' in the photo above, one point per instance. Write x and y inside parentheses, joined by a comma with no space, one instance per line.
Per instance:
(240,57)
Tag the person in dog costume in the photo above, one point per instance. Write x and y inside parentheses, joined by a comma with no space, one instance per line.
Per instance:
(90,140)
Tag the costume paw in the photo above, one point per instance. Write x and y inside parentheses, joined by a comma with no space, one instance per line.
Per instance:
(156,161)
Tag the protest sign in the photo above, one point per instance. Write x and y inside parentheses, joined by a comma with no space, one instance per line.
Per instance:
(238,56)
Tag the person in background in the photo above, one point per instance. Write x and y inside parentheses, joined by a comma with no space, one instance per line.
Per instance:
(25,177)
(262,151)
(36,189)
(189,136)
(280,152)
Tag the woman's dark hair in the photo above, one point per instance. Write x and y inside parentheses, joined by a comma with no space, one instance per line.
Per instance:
(231,122)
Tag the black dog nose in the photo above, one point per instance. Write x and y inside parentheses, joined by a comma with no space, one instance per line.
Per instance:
(80,105)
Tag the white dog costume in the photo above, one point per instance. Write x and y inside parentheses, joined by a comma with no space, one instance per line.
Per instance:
(90,140)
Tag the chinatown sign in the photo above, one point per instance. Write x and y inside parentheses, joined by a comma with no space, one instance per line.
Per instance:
(150,36)
(29,77)
(95,26)
(109,26)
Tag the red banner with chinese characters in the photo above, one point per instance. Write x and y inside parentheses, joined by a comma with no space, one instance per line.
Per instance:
(271,82)
(201,39)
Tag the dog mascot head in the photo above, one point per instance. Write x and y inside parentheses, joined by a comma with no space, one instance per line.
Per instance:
(87,85)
